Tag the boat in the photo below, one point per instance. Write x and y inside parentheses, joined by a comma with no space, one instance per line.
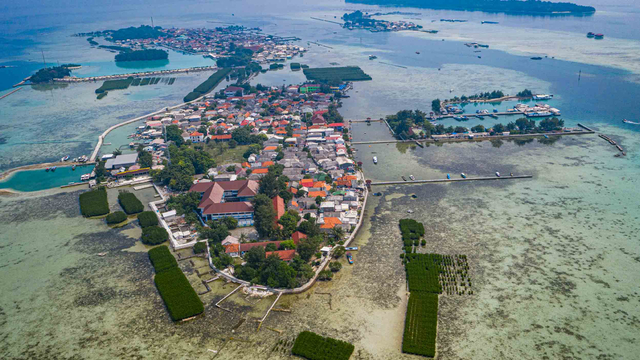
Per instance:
(53,168)
(65,158)
(409,211)
(591,35)
(85,177)
(542,97)
(480,117)
(495,110)
(102,254)
(497,174)
(448,176)
(351,248)
(537,114)
(372,57)
(546,136)
(375,159)
(464,176)
(418,52)
(490,22)
(479,57)
(403,178)
(630,122)
(47,169)
(599,36)
(350,258)
(377,194)
(413,178)
(536,58)
(73,167)
(494,116)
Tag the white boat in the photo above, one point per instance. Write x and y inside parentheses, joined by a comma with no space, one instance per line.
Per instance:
(375,159)
(85,177)
(542,97)
(630,122)
(464,176)
(412,177)
(497,174)
(537,114)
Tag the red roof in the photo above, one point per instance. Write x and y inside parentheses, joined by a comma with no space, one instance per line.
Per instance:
(227,208)
(221,137)
(306,182)
(195,133)
(336,125)
(297,236)
(248,246)
(330,222)
(260,171)
(285,255)
(278,206)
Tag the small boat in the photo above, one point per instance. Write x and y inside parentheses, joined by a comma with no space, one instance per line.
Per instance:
(413,178)
(403,178)
(73,167)
(510,174)
(375,159)
(102,254)
(351,248)
(542,97)
(53,168)
(546,136)
(495,110)
(418,52)
(479,57)
(372,57)
(497,174)
(377,194)
(350,258)
(536,58)
(464,176)
(448,176)
(599,36)
(410,211)
(591,35)
(65,158)
(47,169)
(630,122)
(480,117)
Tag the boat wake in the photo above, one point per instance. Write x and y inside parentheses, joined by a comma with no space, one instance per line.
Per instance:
(630,122)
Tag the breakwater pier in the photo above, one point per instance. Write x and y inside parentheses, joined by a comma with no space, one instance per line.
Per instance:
(73,79)
(433,181)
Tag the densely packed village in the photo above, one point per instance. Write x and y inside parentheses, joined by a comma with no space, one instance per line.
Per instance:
(295,150)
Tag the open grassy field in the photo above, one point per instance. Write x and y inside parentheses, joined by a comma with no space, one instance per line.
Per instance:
(222,154)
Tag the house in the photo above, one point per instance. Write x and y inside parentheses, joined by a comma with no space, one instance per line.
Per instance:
(285,255)
(231,246)
(328,223)
(278,207)
(196,137)
(232,90)
(220,199)
(297,236)
(225,137)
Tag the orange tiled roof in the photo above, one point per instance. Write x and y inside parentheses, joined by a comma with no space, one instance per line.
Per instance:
(270,148)
(260,171)
(330,222)
(313,194)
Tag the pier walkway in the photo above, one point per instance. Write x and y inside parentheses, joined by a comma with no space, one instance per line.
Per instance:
(431,181)
(73,79)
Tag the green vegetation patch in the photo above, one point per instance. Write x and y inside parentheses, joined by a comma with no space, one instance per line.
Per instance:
(295,66)
(142,55)
(315,347)
(102,95)
(141,32)
(115,47)
(147,218)
(130,203)
(181,300)
(94,202)
(50,73)
(162,259)
(119,84)
(420,325)
(116,217)
(208,84)
(334,75)
(136,82)
(154,235)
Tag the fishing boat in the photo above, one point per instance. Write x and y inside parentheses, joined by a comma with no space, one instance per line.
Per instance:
(480,117)
(591,35)
(464,176)
(537,114)
(497,174)
(350,258)
(495,110)
(599,36)
(47,169)
(418,52)
(542,97)
(479,57)
(375,159)
(403,178)
(412,177)
(377,194)
(351,248)
(630,122)
(536,58)
(372,57)
(73,167)
(448,176)
(85,177)
(65,158)
(53,168)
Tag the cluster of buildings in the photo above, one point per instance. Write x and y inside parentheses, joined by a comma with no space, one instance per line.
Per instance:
(221,42)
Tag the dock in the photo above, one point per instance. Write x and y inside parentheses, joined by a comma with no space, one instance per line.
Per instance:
(612,142)
(73,79)
(269,311)
(317,43)
(433,181)
(10,92)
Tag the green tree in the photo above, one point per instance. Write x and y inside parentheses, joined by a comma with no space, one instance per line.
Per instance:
(174,133)
(335,266)
(271,247)
(255,257)
(264,215)
(145,159)
(230,222)
(307,247)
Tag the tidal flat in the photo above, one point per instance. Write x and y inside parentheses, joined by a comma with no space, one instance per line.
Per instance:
(552,262)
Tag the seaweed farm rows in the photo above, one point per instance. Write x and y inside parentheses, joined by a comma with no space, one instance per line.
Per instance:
(122,84)
(428,276)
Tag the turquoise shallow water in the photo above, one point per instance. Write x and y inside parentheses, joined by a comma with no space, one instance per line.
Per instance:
(35,180)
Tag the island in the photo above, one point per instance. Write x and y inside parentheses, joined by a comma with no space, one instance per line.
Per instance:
(358,19)
(142,55)
(494,6)
(48,74)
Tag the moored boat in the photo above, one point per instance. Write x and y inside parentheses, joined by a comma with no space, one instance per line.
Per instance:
(412,177)
(47,169)
(464,176)
(53,168)
(375,159)
(350,258)
(448,176)
(599,36)
(497,174)
(403,178)
(73,167)
(590,35)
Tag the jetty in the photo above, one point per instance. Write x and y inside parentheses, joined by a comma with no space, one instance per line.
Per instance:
(612,142)
(10,92)
(329,21)
(226,296)
(433,181)
(74,79)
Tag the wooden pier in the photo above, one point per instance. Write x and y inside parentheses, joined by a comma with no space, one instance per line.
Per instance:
(612,142)
(432,181)
(10,92)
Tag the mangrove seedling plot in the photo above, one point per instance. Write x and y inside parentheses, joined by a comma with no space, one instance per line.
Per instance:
(315,347)
(420,324)
(336,74)
(181,300)
(94,202)
(208,84)
(435,273)
(130,203)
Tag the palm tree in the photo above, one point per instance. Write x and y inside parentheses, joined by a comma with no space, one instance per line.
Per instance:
(337,232)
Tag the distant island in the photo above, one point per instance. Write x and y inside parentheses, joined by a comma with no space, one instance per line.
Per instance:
(142,55)
(48,74)
(530,7)
(141,32)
